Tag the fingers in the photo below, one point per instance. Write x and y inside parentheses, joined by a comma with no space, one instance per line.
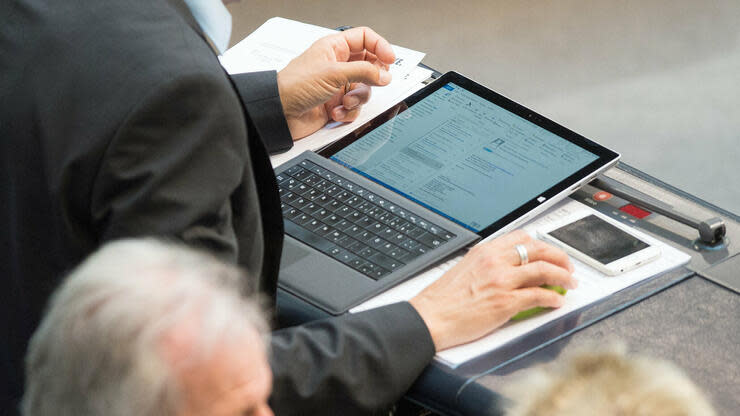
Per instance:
(361,39)
(540,251)
(339,113)
(364,72)
(536,250)
(359,94)
(346,107)
(542,273)
(536,296)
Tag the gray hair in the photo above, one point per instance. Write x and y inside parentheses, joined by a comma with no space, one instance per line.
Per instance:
(606,381)
(97,351)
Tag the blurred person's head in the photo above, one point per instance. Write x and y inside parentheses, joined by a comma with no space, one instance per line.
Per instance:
(148,328)
(608,383)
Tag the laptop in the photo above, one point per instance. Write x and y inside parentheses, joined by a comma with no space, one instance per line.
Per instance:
(450,166)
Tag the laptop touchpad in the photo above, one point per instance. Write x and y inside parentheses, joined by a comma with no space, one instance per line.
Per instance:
(321,280)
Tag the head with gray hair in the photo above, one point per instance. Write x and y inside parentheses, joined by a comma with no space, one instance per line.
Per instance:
(130,328)
(605,380)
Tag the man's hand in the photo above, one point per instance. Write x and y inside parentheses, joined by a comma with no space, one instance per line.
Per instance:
(489,286)
(313,85)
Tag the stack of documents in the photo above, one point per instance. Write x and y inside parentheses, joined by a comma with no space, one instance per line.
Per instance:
(274,44)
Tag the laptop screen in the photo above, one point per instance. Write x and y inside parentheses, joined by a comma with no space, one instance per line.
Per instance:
(464,157)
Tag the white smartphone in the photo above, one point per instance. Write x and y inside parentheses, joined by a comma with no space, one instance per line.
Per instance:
(600,244)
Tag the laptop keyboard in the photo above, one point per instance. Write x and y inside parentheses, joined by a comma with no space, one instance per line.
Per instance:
(346,221)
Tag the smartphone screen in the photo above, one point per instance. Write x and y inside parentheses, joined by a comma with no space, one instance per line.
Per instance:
(598,239)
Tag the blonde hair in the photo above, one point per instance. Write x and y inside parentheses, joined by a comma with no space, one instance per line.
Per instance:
(98,348)
(606,383)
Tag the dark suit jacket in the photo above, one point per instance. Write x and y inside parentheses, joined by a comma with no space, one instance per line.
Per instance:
(116,120)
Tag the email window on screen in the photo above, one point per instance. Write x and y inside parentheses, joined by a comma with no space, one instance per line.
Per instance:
(464,157)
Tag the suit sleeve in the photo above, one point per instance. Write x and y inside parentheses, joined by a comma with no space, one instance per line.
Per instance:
(261,100)
(350,365)
(172,166)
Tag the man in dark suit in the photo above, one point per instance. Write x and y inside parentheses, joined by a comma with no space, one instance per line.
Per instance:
(116,120)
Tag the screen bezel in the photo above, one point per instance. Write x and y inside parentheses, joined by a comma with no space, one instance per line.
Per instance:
(604,156)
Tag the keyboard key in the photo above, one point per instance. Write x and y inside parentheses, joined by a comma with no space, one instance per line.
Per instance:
(414,232)
(377,228)
(300,203)
(343,196)
(302,189)
(356,264)
(322,200)
(313,224)
(292,213)
(302,219)
(322,185)
(365,236)
(409,244)
(385,261)
(290,184)
(423,224)
(313,240)
(353,245)
(354,230)
(368,268)
(312,180)
(355,216)
(285,208)
(343,224)
(324,230)
(322,213)
(440,232)
(366,252)
(332,219)
(293,170)
(366,222)
(312,194)
(345,256)
(365,207)
(397,253)
(333,190)
(310,208)
(354,201)
(377,243)
(349,186)
(344,211)
(398,238)
(302,175)
(378,273)
(281,177)
(289,196)
(430,240)
(336,236)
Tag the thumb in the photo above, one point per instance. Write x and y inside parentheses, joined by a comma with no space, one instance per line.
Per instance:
(365,72)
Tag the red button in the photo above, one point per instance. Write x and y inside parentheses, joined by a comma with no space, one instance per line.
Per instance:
(602,196)
(635,211)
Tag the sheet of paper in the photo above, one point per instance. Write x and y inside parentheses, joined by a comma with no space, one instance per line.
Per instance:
(592,286)
(279,40)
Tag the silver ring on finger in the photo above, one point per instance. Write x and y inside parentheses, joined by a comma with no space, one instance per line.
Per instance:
(523,255)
